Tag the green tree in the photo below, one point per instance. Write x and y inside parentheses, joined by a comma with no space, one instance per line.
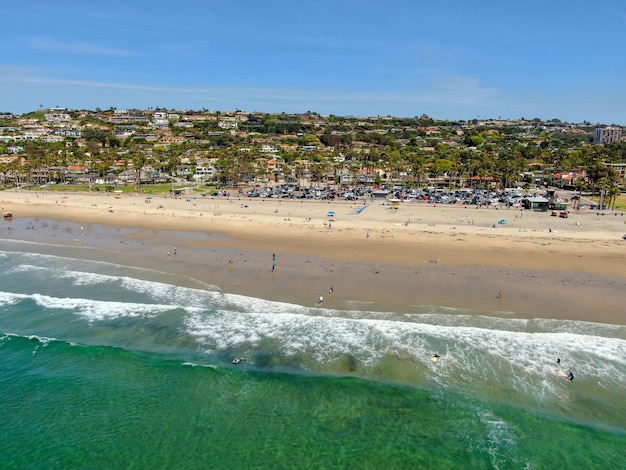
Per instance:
(580,185)
(613,193)
(139,160)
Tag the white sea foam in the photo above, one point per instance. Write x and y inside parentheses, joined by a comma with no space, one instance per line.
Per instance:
(460,319)
(9,298)
(82,271)
(162,292)
(157,291)
(80,278)
(518,362)
(578,327)
(193,364)
(94,310)
(42,340)
(501,439)
(26,268)
(100,310)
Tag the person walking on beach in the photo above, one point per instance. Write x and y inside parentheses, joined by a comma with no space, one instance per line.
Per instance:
(321,299)
(331,291)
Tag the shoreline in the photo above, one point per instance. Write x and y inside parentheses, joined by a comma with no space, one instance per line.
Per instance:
(373,259)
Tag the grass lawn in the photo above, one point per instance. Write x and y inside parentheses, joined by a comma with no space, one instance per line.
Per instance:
(152,189)
(620,202)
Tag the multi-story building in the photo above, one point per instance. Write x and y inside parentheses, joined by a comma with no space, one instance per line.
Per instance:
(608,135)
(204,173)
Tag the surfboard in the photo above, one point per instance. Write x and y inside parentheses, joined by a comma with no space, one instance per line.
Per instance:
(434,358)
(562,374)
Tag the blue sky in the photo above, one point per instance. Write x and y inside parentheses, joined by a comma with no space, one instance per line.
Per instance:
(449,59)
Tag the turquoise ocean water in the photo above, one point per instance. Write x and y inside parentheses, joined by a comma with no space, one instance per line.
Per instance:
(106,366)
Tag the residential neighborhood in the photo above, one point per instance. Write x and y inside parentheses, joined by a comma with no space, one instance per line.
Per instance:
(111,148)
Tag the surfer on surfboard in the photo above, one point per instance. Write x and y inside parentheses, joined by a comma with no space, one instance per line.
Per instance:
(569,375)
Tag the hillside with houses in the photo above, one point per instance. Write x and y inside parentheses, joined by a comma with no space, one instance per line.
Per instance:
(116,148)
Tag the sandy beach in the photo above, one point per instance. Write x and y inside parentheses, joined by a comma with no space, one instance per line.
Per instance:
(374,255)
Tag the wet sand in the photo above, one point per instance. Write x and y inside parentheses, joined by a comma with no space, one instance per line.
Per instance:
(375,257)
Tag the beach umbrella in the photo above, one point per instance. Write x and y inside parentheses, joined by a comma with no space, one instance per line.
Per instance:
(331,213)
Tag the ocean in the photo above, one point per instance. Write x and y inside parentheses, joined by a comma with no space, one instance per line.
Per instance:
(108,366)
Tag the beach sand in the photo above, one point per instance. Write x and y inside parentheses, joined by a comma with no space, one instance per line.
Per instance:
(375,256)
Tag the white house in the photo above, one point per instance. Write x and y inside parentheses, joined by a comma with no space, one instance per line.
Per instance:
(57,117)
(204,173)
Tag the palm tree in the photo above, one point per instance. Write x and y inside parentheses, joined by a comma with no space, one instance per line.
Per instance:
(286,170)
(336,166)
(418,167)
(354,171)
(4,170)
(603,186)
(320,170)
(298,170)
(580,185)
(139,160)
(613,193)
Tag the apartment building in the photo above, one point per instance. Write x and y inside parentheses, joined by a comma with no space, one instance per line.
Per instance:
(608,135)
